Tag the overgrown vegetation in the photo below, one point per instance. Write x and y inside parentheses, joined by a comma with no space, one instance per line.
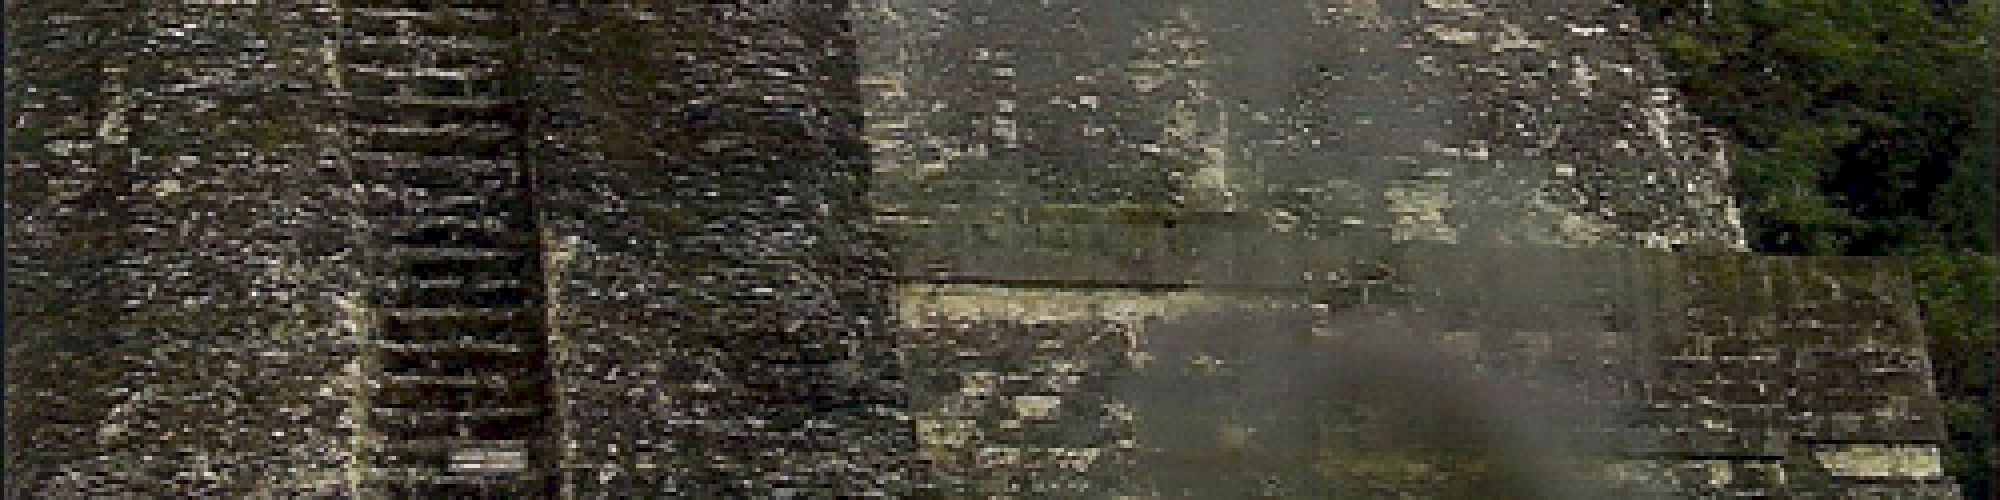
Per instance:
(1867,127)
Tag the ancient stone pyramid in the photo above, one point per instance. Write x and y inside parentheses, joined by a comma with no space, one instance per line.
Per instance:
(534,248)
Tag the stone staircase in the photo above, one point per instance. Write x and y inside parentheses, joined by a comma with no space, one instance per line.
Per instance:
(457,396)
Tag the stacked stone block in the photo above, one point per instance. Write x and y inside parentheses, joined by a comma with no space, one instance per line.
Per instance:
(175,250)
(1061,248)
(722,325)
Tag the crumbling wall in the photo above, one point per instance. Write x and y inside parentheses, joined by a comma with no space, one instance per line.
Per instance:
(1125,246)
(721,324)
(174,241)
(1450,182)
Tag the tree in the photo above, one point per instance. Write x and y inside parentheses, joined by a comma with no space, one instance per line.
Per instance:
(1866,126)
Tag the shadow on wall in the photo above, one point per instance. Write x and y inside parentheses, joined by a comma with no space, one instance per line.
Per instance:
(1256,403)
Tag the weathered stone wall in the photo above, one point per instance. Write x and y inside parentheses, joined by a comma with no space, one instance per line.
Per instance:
(717,314)
(1314,156)
(1799,368)
(1528,373)
(1192,248)
(174,240)
(720,320)
(1434,121)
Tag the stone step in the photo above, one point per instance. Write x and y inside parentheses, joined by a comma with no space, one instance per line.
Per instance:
(445,444)
(470,277)
(451,254)
(484,489)
(465,340)
(446,200)
(426,42)
(515,213)
(428,394)
(457,312)
(425,9)
(380,70)
(463,100)
(462,364)
(517,424)
(495,144)
(501,382)
(449,119)
(442,481)
(526,268)
(425,181)
(370,160)
(446,457)
(464,236)
(485,218)
(501,221)
(367,85)
(455,102)
(419,413)
(449,297)
(427,4)
(457,346)
(523,329)
(475,130)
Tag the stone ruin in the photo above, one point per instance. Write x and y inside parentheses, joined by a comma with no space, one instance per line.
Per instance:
(1190,248)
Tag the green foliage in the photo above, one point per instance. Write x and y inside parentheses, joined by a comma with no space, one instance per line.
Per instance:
(1957,294)
(1866,126)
